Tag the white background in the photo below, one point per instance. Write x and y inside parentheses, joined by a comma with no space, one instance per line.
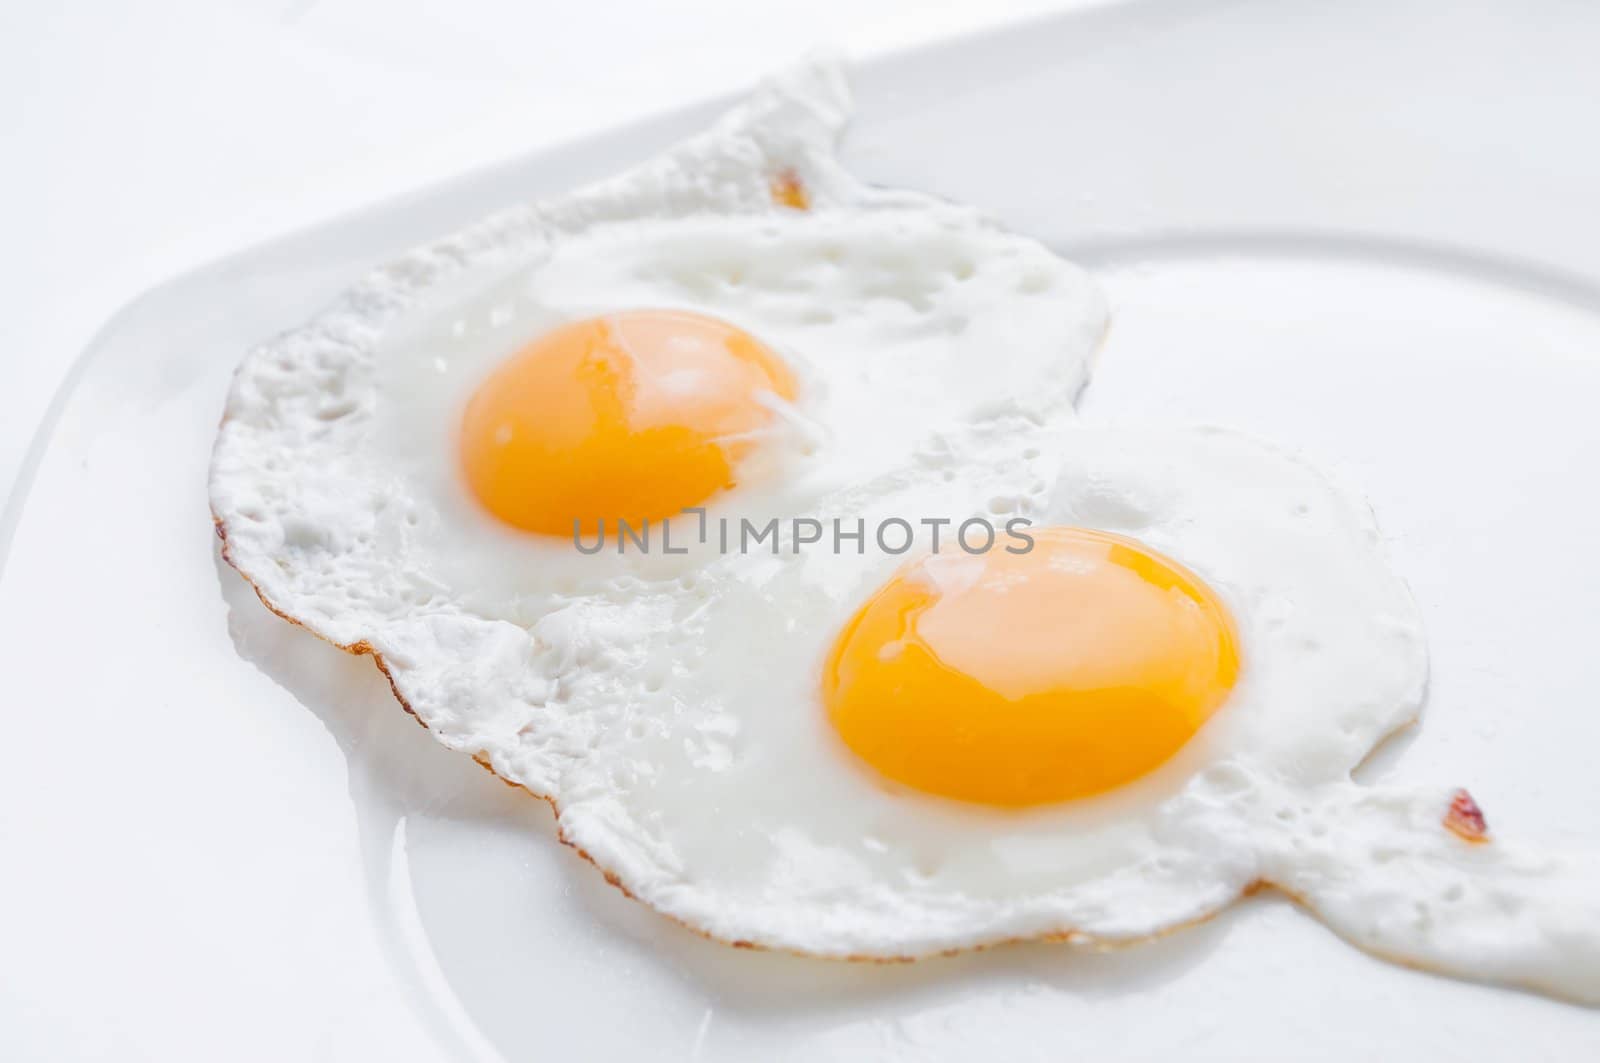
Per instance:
(140,139)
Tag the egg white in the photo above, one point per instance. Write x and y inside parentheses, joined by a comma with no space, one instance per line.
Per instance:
(670,708)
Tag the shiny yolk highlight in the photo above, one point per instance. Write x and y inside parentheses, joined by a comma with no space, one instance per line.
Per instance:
(630,416)
(1022,679)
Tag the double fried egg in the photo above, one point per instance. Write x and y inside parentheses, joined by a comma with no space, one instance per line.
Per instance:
(1128,686)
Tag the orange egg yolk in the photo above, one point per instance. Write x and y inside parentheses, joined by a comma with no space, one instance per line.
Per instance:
(1022,679)
(631,416)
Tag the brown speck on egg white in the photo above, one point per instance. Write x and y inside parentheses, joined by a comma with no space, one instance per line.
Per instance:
(1465,819)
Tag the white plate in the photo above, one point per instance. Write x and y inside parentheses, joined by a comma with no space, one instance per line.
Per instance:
(1365,230)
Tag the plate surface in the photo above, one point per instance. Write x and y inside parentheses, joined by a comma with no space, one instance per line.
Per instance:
(1361,230)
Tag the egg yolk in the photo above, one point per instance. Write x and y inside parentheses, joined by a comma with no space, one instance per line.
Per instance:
(631,416)
(1022,679)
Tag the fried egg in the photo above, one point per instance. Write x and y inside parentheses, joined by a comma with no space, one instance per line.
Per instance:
(1141,696)
(738,326)
(896,754)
